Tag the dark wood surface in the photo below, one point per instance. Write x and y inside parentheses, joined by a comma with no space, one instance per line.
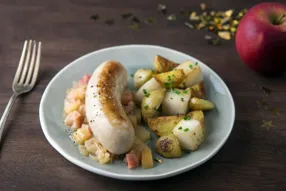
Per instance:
(253,158)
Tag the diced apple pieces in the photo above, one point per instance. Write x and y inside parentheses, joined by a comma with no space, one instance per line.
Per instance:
(74,120)
(142,134)
(162,64)
(147,158)
(81,135)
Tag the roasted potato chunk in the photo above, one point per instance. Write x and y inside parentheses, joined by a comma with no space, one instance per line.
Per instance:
(200,104)
(193,73)
(171,79)
(151,102)
(141,76)
(164,125)
(176,101)
(168,146)
(198,115)
(149,86)
(162,64)
(198,90)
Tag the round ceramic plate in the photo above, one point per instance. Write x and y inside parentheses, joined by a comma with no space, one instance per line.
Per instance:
(219,121)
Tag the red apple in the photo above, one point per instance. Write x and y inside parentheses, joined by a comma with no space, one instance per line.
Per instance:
(261,38)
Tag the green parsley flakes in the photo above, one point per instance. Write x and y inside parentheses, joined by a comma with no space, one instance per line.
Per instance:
(146,106)
(191,66)
(182,99)
(180,128)
(187,118)
(187,129)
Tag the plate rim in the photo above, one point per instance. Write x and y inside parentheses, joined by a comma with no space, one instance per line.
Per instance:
(99,171)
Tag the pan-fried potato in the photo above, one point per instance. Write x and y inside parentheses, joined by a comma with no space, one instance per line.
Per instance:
(141,133)
(141,76)
(168,146)
(193,77)
(197,115)
(164,125)
(151,102)
(198,90)
(187,66)
(149,86)
(176,101)
(171,79)
(192,72)
(200,104)
(162,64)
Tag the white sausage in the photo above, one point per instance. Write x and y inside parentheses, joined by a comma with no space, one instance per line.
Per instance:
(104,111)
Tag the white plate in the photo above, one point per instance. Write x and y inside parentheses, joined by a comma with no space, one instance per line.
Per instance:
(219,122)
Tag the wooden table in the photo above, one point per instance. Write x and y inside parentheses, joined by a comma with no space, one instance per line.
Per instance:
(253,158)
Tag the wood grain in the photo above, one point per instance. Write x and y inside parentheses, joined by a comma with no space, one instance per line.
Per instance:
(252,159)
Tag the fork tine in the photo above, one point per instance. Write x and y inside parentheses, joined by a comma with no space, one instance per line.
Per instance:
(31,66)
(24,72)
(38,58)
(17,75)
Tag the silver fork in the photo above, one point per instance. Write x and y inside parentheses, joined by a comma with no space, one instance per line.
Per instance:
(25,77)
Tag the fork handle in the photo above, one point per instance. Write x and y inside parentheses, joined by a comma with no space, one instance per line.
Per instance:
(6,113)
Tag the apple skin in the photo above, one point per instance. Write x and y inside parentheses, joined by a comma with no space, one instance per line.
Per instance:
(260,44)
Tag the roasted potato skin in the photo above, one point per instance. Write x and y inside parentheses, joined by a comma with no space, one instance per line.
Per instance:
(171,79)
(141,76)
(200,104)
(162,64)
(198,90)
(151,102)
(168,146)
(164,125)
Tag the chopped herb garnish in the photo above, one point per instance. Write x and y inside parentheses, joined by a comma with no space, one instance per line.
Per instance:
(173,75)
(150,20)
(187,129)
(169,78)
(171,98)
(267,124)
(182,99)
(180,128)
(135,26)
(146,107)
(185,91)
(158,160)
(155,109)
(147,95)
(126,15)
(132,75)
(172,17)
(144,91)
(187,118)
(196,63)
(176,91)
(166,84)
(275,111)
(94,17)
(190,66)
(109,21)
